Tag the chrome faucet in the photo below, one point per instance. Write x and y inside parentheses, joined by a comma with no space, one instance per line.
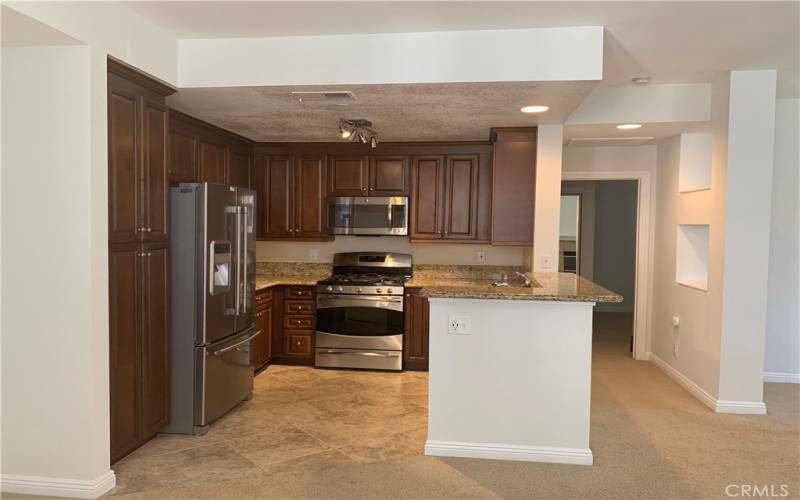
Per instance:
(526,282)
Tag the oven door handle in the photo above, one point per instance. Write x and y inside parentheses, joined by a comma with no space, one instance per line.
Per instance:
(369,354)
(360,297)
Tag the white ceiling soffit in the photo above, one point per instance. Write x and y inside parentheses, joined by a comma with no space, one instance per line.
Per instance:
(673,42)
(520,55)
(609,135)
(418,112)
(687,102)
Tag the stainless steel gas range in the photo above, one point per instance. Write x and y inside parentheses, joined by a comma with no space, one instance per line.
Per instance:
(360,311)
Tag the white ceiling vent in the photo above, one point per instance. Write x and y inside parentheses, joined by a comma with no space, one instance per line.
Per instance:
(338,97)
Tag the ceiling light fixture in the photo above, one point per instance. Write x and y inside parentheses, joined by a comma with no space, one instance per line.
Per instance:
(640,80)
(629,126)
(358,130)
(534,109)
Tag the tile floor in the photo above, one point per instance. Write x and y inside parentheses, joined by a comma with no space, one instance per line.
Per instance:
(299,420)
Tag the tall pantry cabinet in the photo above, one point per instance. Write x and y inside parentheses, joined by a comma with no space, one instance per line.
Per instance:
(138,249)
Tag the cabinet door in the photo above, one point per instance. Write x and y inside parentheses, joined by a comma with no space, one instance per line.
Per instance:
(125,217)
(415,339)
(461,198)
(513,187)
(348,175)
(427,187)
(275,194)
(155,341)
(239,167)
(154,167)
(388,175)
(309,200)
(124,350)
(212,163)
(182,157)
(263,343)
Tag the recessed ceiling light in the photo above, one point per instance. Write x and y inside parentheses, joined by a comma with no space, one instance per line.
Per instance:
(629,126)
(640,80)
(534,109)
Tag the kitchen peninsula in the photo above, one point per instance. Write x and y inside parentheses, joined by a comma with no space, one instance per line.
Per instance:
(535,404)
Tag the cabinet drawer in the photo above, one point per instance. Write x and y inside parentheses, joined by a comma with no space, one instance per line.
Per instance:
(298,344)
(302,307)
(263,296)
(298,322)
(299,292)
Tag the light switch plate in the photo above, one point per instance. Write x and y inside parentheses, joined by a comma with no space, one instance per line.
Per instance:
(313,253)
(482,257)
(547,262)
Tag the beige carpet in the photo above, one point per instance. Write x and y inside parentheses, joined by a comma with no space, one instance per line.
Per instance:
(650,438)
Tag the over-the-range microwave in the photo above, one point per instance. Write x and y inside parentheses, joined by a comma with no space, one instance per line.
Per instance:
(368,216)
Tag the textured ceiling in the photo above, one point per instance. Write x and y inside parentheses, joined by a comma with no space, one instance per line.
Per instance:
(415,112)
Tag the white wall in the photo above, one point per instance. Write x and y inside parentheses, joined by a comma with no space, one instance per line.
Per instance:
(430,253)
(54,423)
(614,246)
(783,325)
(748,194)
(79,262)
(572,53)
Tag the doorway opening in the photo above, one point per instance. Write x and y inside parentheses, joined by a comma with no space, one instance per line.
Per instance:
(600,240)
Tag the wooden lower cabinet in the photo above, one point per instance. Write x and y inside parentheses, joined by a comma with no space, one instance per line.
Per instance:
(415,341)
(139,338)
(262,345)
(294,322)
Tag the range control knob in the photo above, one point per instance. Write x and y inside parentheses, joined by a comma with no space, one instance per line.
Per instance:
(329,288)
(388,290)
(379,290)
(358,289)
(339,289)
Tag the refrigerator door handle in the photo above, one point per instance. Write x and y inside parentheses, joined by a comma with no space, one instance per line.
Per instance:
(238,260)
(238,344)
(243,260)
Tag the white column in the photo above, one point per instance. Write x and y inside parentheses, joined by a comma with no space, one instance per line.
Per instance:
(549,152)
(748,191)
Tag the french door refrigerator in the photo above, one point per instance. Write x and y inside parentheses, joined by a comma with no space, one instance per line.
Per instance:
(212,237)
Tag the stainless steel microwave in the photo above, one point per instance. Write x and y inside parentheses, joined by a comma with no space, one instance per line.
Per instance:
(378,215)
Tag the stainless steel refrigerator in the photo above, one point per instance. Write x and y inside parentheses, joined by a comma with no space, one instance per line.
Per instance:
(212,238)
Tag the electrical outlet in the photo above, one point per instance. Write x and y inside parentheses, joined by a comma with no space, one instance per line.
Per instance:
(547,262)
(482,257)
(313,253)
(675,349)
(458,325)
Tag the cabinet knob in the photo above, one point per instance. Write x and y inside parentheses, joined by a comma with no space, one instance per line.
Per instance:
(363,189)
(149,229)
(372,189)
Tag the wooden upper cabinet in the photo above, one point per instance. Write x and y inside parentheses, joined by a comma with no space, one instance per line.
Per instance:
(239,170)
(182,156)
(349,175)
(124,167)
(513,185)
(155,339)
(461,198)
(309,199)
(212,162)
(427,190)
(275,194)
(155,128)
(388,176)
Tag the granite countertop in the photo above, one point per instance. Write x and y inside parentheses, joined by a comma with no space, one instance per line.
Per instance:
(566,287)
(270,274)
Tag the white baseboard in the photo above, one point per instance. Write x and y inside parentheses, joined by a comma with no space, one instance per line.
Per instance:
(491,451)
(59,487)
(741,407)
(684,381)
(782,378)
(718,405)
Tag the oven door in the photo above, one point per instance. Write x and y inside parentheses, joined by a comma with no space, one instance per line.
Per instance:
(381,215)
(360,322)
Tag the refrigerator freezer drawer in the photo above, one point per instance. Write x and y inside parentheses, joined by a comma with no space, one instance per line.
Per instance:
(226,374)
